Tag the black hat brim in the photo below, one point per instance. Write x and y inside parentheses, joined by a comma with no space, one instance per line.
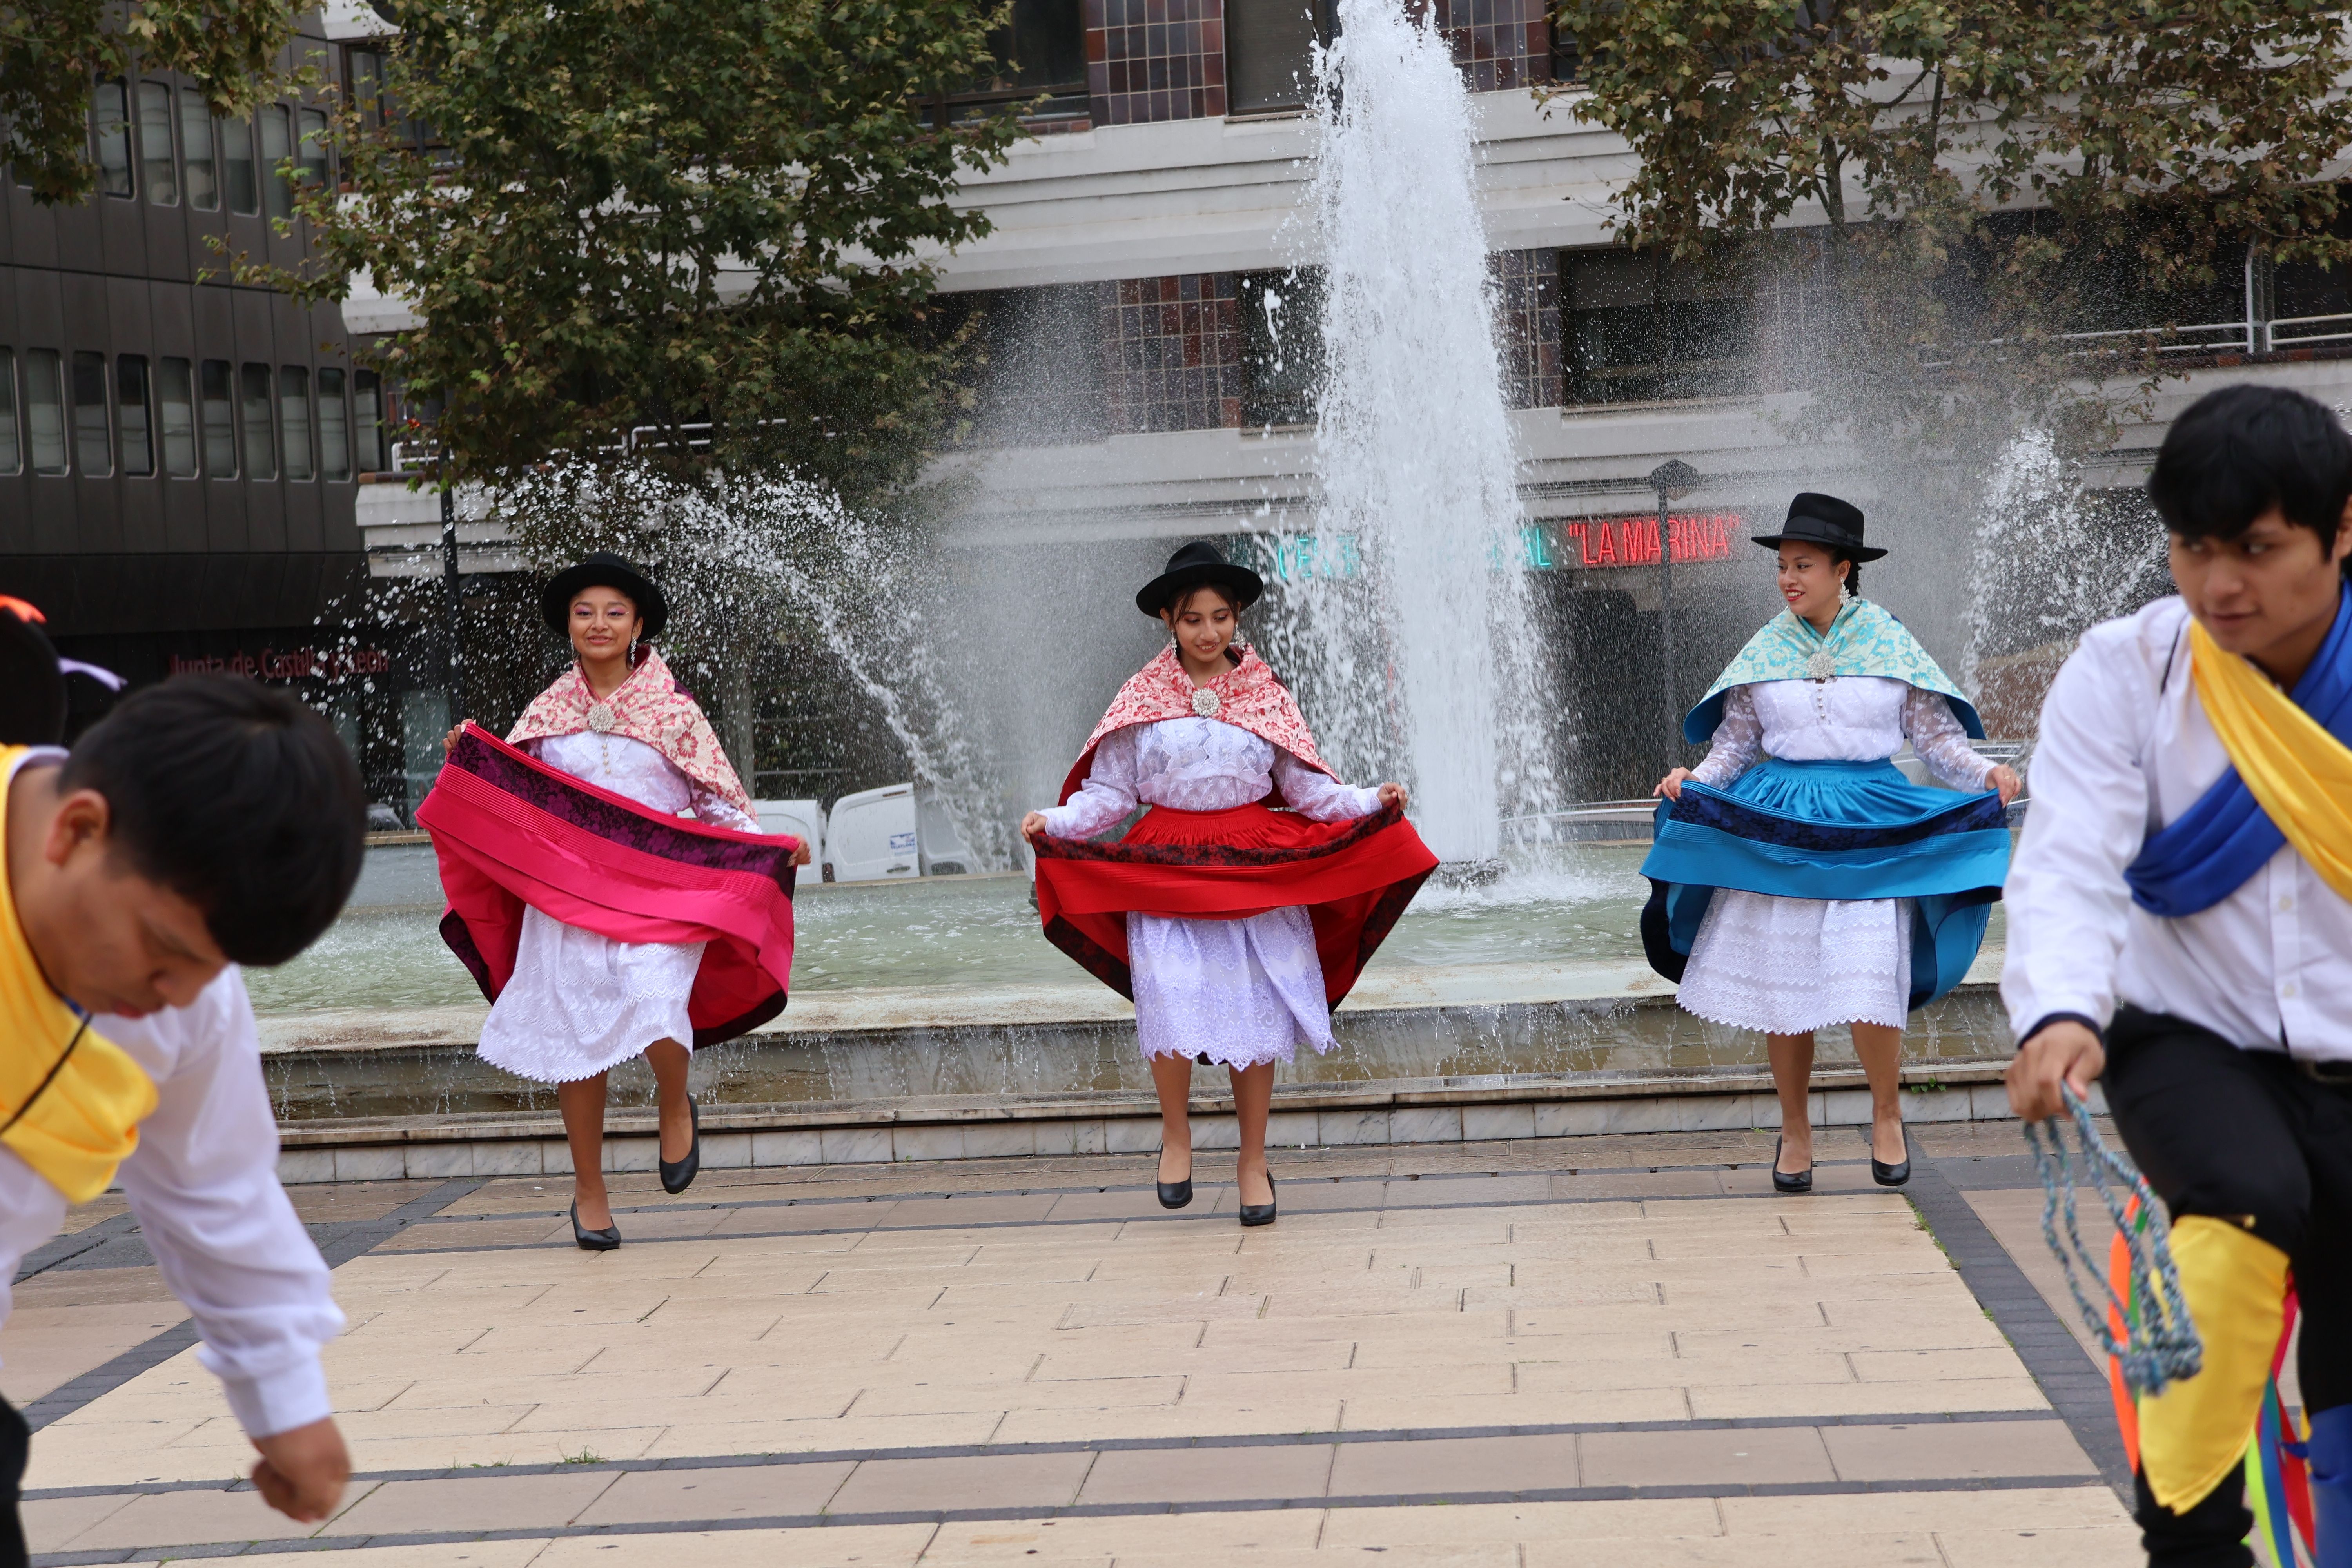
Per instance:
(1855,553)
(555,599)
(1245,585)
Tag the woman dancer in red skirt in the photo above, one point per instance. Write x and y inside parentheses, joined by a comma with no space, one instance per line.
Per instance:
(1235,928)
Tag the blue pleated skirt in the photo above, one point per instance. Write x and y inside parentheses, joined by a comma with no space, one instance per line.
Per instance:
(1837,831)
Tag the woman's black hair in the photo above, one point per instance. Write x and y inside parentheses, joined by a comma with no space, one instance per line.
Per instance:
(236,797)
(2238,452)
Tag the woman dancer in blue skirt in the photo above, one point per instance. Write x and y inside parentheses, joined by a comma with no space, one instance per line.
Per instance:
(1818,886)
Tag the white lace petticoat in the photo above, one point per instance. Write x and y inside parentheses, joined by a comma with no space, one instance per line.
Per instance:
(1789,966)
(1238,991)
(580,1004)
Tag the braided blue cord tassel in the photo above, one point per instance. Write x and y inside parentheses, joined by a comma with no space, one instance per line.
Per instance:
(2159,1344)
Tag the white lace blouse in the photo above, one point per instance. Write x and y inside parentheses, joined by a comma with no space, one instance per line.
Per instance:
(1850,719)
(1198,765)
(635,769)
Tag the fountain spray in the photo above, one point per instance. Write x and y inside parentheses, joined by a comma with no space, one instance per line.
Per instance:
(1421,665)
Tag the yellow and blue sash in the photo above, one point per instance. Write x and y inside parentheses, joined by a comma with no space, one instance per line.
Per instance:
(2290,779)
(70,1098)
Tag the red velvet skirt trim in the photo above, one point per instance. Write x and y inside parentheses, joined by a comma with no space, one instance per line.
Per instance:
(1354,878)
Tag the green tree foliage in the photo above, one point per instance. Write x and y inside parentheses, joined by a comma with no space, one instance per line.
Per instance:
(51,49)
(615,214)
(1991,173)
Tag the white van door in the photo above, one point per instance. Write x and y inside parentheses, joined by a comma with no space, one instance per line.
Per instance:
(943,851)
(870,837)
(804,819)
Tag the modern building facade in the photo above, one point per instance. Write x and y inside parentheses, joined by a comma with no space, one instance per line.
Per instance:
(180,453)
(200,472)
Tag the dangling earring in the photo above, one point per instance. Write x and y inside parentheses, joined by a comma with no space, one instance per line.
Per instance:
(1845,594)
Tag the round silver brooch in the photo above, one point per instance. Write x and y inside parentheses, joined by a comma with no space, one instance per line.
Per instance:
(1205,703)
(600,717)
(1822,666)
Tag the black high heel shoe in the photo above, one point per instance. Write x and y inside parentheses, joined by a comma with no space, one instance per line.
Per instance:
(1782,1181)
(678,1177)
(1893,1175)
(603,1240)
(1174,1195)
(1261,1214)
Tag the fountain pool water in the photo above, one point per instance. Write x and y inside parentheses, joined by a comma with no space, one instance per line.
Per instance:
(920,955)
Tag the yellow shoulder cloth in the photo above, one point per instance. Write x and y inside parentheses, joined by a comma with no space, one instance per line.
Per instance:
(2297,772)
(75,1131)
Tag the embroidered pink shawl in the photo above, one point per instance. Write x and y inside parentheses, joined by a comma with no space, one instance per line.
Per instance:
(1247,696)
(648,707)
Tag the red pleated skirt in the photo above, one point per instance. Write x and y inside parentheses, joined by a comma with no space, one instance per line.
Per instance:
(1354,878)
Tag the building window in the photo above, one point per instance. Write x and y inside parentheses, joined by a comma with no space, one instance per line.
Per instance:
(276,146)
(1282,346)
(175,402)
(253,420)
(367,421)
(45,410)
(110,106)
(334,428)
(1642,329)
(155,144)
(311,150)
(1041,53)
(93,451)
(134,413)
(196,150)
(1269,52)
(12,449)
(363,84)
(236,152)
(218,412)
(294,420)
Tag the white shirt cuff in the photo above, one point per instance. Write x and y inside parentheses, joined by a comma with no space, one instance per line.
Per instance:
(294,1395)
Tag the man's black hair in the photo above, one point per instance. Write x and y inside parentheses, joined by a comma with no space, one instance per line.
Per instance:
(236,797)
(2236,453)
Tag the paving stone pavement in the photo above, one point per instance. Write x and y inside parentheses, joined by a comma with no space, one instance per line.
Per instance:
(1571,1352)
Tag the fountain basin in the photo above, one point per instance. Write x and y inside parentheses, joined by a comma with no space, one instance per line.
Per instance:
(1518,1009)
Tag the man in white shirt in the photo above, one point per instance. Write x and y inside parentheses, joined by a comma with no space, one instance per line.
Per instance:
(206,822)
(2179,923)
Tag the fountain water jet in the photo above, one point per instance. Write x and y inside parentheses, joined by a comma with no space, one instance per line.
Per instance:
(1421,668)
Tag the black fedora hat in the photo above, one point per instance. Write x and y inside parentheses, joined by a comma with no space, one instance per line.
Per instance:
(1817,519)
(1198,564)
(603,569)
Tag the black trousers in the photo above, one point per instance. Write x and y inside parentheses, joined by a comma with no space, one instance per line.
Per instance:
(2252,1138)
(15,1447)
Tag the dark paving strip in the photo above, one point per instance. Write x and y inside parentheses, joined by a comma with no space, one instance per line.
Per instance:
(1991,1172)
(107,1376)
(2074,1385)
(1302,1180)
(560,1243)
(342,1243)
(106,1244)
(1075,1510)
(1098,1446)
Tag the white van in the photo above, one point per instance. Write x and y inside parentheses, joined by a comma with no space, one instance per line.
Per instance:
(804,819)
(870,837)
(939,848)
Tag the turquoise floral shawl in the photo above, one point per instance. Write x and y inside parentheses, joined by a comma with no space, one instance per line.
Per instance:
(1863,640)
